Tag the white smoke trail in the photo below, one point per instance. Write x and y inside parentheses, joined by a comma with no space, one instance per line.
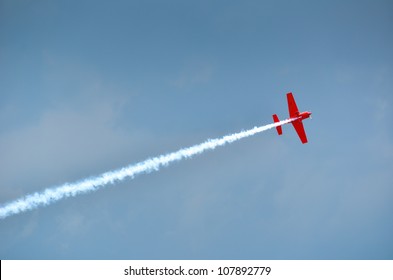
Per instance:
(54,194)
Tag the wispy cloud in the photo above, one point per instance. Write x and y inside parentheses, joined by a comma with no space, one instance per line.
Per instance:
(195,73)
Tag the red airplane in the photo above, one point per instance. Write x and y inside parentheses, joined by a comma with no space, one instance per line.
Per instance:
(296,117)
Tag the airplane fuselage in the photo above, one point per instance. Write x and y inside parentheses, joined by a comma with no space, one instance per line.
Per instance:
(304,115)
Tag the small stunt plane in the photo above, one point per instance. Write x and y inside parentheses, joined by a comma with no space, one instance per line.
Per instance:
(296,118)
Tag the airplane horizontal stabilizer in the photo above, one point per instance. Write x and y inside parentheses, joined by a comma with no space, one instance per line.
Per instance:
(276,120)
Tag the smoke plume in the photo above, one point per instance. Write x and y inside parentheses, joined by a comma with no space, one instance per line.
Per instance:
(56,193)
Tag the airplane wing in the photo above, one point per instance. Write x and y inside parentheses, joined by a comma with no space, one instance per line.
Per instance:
(292,107)
(298,125)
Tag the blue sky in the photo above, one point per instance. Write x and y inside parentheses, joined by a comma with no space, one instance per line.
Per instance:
(91,86)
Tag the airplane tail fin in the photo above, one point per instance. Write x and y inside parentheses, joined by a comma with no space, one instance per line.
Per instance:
(279,128)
